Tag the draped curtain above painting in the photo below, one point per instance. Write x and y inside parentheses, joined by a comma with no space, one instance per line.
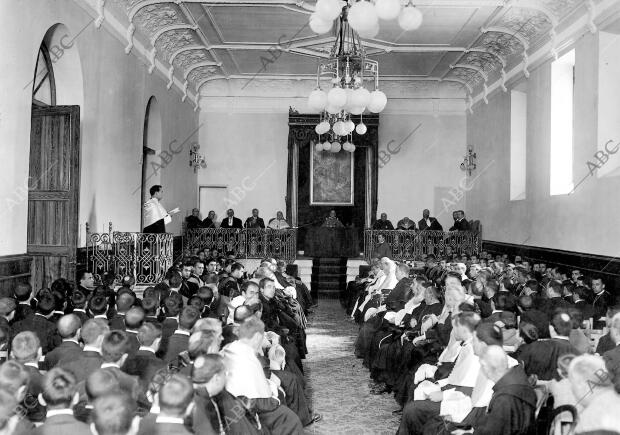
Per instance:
(320,181)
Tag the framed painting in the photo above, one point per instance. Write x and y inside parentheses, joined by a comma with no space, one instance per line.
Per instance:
(331,177)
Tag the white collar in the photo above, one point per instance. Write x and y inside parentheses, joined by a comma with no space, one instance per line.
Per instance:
(105,365)
(81,310)
(181,332)
(32,364)
(173,420)
(24,303)
(88,348)
(70,340)
(562,337)
(131,331)
(100,316)
(147,349)
(53,412)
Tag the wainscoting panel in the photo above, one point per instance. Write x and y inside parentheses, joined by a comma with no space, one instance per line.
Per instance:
(589,264)
(13,269)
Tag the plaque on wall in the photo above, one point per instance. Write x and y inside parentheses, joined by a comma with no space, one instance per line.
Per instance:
(331,177)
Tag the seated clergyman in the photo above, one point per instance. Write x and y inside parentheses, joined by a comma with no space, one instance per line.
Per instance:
(254,221)
(383,223)
(332,221)
(278,222)
(405,224)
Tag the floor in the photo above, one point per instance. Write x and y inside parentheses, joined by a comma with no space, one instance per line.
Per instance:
(338,382)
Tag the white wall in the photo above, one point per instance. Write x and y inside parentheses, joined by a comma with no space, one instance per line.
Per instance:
(115,89)
(585,220)
(246,136)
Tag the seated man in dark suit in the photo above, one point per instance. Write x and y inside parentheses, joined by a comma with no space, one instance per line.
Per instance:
(98,384)
(115,413)
(383,223)
(59,397)
(175,398)
(123,303)
(38,323)
(178,340)
(69,350)
(114,351)
(429,223)
(26,349)
(231,221)
(92,333)
(23,295)
(540,357)
(171,309)
(209,221)
(145,363)
(460,223)
(555,302)
(254,221)
(133,321)
(193,221)
(78,301)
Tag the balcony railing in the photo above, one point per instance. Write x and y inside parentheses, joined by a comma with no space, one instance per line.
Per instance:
(412,245)
(244,243)
(146,257)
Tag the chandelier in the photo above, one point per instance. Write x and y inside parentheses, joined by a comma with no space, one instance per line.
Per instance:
(364,15)
(348,70)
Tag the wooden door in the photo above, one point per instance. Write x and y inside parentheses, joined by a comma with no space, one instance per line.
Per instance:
(53,193)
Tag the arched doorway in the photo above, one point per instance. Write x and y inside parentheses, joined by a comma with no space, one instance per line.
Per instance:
(151,147)
(54,162)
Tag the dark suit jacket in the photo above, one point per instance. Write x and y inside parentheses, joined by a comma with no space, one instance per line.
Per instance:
(382,225)
(168,326)
(462,225)
(599,305)
(176,344)
(84,365)
(258,224)
(22,311)
(34,410)
(67,351)
(118,322)
(44,329)
(435,225)
(134,344)
(208,223)
(62,425)
(236,223)
(192,222)
(145,365)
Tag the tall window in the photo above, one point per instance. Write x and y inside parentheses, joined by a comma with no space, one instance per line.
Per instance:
(562,85)
(43,85)
(518,133)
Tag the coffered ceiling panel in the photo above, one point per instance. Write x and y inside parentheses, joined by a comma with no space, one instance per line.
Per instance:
(464,43)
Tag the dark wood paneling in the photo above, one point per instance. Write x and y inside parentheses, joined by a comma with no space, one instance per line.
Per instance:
(13,269)
(53,193)
(589,264)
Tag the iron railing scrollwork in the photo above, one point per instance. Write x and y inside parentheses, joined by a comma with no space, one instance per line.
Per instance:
(414,244)
(145,257)
(244,243)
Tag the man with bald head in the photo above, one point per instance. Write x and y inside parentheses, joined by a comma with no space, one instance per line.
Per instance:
(513,404)
(69,350)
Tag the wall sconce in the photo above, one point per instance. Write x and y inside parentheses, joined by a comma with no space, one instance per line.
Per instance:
(469,162)
(196,160)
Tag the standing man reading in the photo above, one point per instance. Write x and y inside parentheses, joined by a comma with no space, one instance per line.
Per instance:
(155,215)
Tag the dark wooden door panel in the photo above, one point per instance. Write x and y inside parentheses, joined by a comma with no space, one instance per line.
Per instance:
(53,196)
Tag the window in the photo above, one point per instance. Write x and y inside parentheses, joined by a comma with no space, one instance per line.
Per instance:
(561,147)
(518,133)
(43,86)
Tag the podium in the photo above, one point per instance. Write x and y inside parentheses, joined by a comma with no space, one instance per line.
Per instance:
(332,242)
